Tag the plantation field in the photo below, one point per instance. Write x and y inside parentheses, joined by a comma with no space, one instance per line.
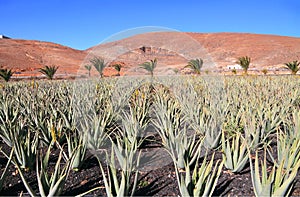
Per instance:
(179,135)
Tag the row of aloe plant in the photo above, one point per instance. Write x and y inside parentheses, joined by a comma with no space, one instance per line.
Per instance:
(195,118)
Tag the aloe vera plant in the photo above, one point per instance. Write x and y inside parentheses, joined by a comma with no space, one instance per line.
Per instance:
(183,148)
(261,121)
(255,134)
(140,103)
(187,112)
(213,131)
(54,185)
(288,151)
(39,120)
(278,182)
(233,121)
(235,153)
(5,171)
(205,117)
(202,180)
(97,129)
(49,126)
(131,129)
(15,133)
(128,159)
(76,140)
(169,120)
(25,148)
(77,146)
(293,127)
(10,114)
(49,185)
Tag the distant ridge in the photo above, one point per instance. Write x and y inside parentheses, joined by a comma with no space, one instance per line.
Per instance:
(172,49)
(25,57)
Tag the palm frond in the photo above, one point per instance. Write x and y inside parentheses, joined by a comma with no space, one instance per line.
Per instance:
(293,66)
(99,64)
(195,65)
(89,68)
(49,71)
(117,67)
(244,62)
(149,66)
(6,74)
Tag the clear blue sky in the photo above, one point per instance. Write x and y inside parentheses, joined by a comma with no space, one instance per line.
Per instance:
(83,23)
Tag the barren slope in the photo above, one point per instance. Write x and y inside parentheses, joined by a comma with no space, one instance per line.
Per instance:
(172,49)
(25,57)
(265,50)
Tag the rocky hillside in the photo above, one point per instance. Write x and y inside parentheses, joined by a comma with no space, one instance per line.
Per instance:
(219,50)
(25,57)
(265,50)
(172,49)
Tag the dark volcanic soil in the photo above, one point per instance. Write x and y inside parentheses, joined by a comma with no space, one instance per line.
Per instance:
(160,181)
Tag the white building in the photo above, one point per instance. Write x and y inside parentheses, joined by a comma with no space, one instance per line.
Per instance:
(235,66)
(4,37)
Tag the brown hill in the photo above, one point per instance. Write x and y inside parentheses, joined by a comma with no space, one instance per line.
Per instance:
(25,57)
(172,49)
(265,50)
(219,50)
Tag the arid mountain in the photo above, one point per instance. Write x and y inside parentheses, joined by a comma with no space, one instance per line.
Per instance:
(219,50)
(264,50)
(25,57)
(172,49)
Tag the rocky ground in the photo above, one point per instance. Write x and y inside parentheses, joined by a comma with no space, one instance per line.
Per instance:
(154,180)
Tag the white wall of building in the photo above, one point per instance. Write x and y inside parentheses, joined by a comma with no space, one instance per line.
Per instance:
(235,66)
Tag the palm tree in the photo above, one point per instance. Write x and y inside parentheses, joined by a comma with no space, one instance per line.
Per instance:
(149,66)
(293,66)
(195,65)
(99,64)
(234,71)
(49,71)
(244,62)
(117,68)
(89,68)
(6,74)
(264,71)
